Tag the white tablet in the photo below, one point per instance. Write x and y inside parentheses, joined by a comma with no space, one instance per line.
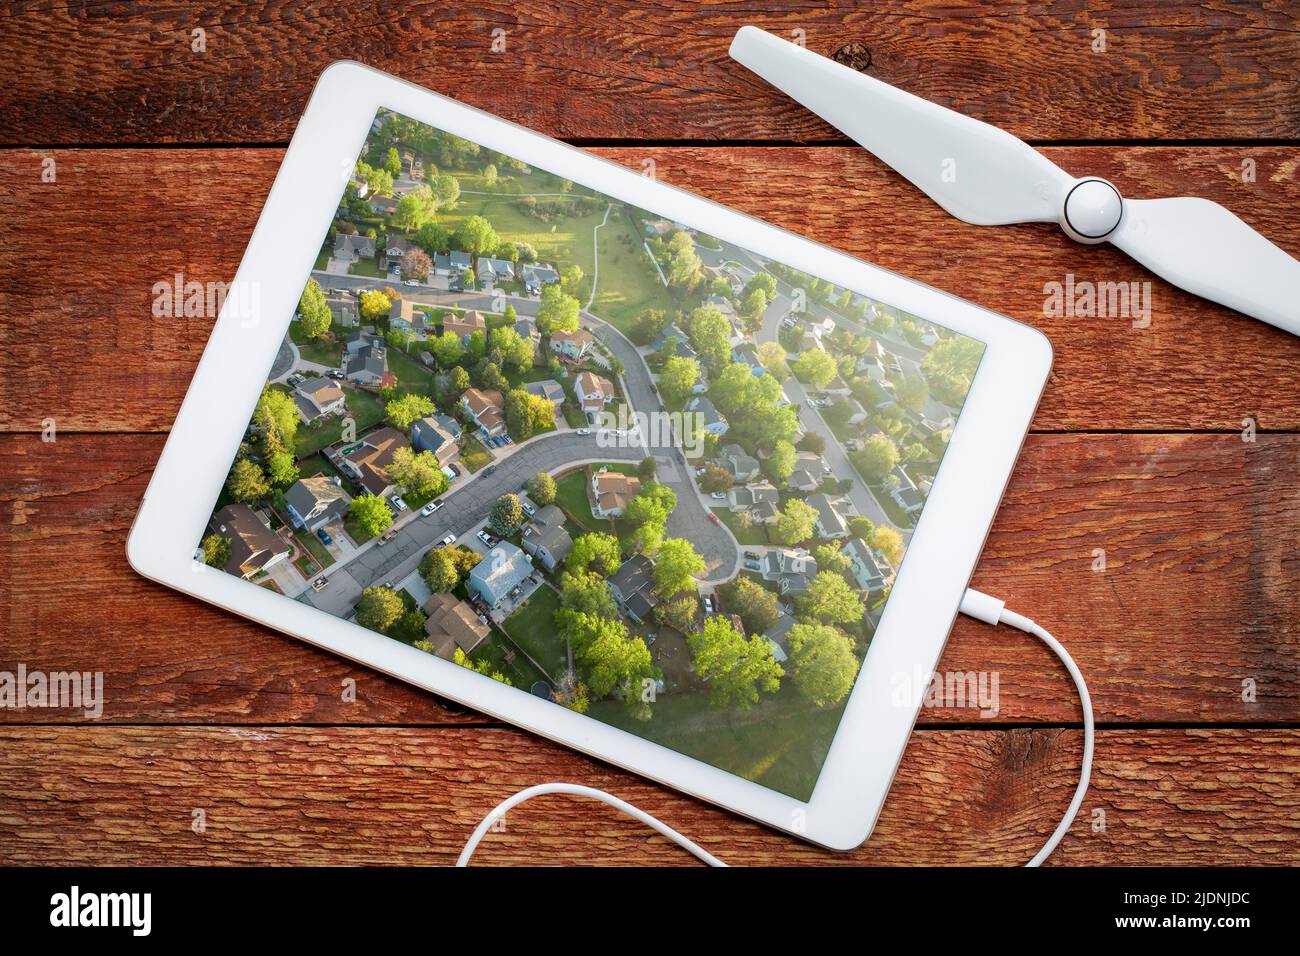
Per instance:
(419,437)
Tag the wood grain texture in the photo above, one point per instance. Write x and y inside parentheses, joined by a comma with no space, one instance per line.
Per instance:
(1199,593)
(89,71)
(350,796)
(79,343)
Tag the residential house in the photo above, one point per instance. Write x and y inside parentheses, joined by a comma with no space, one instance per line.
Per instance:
(904,491)
(317,398)
(429,434)
(353,248)
(632,587)
(383,205)
(367,460)
(870,571)
(547,540)
(314,502)
(465,325)
(710,418)
(765,511)
(254,547)
(394,249)
(746,353)
(830,516)
(485,407)
(402,317)
(778,635)
(449,425)
(451,625)
(536,275)
(741,466)
(343,308)
(791,569)
(574,346)
(368,363)
(491,271)
(837,386)
(681,343)
(805,478)
(873,366)
(810,340)
(657,227)
(549,389)
(526,329)
(503,569)
(594,392)
(745,497)
(611,492)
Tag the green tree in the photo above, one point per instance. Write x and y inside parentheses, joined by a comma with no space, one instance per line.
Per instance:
(830,600)
(373,305)
(433,238)
(822,663)
(507,515)
(676,564)
(405,409)
(516,351)
(815,366)
(597,550)
(796,522)
(489,175)
(715,478)
(315,314)
(371,515)
(415,208)
(448,349)
(647,538)
(483,667)
(912,392)
(379,608)
(418,473)
(646,469)
(611,657)
(653,504)
(829,557)
(216,551)
(277,417)
(861,526)
(586,593)
(393,162)
(477,237)
(557,311)
(755,604)
(889,542)
(438,569)
(780,463)
(876,458)
(541,488)
(246,482)
(737,668)
(281,469)
(710,335)
(678,378)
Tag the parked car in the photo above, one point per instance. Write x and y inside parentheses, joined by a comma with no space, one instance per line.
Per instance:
(398,504)
(719,495)
(335,373)
(386,537)
(454,470)
(410,282)
(430,508)
(448,540)
(584,432)
(486,538)
(714,518)
(489,470)
(319,583)
(710,604)
(324,536)
(753,556)
(528,508)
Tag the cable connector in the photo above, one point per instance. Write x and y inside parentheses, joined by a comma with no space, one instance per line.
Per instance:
(981,606)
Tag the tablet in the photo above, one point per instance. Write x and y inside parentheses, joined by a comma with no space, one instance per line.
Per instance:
(590,454)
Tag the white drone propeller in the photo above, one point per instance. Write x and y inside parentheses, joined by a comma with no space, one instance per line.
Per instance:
(985,176)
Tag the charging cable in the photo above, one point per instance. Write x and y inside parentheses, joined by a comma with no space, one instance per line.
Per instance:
(974,604)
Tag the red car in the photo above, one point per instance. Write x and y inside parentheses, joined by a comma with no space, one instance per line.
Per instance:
(714,518)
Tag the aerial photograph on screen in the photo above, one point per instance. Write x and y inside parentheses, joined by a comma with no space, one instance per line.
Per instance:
(604,458)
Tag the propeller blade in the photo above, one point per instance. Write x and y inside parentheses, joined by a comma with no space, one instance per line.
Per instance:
(977,172)
(1199,246)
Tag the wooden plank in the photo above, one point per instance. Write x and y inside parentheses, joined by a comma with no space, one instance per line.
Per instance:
(330,796)
(1198,593)
(80,344)
(1170,68)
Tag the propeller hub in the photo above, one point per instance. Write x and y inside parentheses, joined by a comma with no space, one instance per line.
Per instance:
(1092,211)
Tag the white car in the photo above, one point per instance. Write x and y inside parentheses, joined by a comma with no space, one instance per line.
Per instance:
(485,538)
(398,504)
(528,508)
(411,282)
(582,431)
(719,495)
(430,508)
(449,540)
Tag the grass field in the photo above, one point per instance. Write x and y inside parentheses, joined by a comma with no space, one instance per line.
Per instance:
(322,352)
(755,534)
(532,628)
(565,242)
(627,283)
(473,455)
(494,650)
(365,409)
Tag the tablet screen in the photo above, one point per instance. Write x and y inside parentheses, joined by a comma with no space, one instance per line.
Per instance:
(603,457)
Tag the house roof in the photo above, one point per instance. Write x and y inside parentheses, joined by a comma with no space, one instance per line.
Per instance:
(579,338)
(827,514)
(396,246)
(480,400)
(252,544)
(430,432)
(371,358)
(739,464)
(346,245)
(634,576)
(553,537)
(374,455)
(500,571)
(704,406)
(765,510)
(306,494)
(548,514)
(549,389)
(614,489)
(591,385)
(449,424)
(321,390)
(463,325)
(452,623)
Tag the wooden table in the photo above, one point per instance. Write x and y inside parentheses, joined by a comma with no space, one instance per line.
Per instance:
(163,156)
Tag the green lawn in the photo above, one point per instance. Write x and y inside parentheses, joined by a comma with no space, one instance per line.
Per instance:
(366,267)
(532,628)
(411,375)
(313,544)
(365,409)
(571,495)
(755,534)
(521,673)
(320,351)
(564,242)
(781,743)
(627,283)
(473,455)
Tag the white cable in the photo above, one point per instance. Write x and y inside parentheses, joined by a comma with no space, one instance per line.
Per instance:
(974,604)
(576,790)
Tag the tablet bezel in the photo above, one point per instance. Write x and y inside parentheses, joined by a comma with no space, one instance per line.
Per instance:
(918,616)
